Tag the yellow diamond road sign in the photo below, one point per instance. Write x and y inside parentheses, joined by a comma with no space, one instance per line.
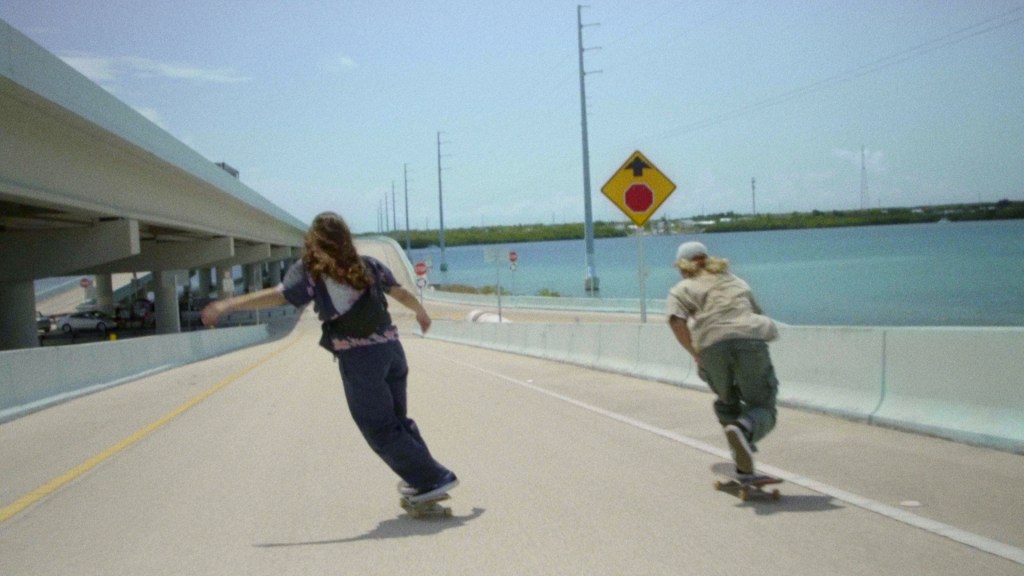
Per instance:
(638,188)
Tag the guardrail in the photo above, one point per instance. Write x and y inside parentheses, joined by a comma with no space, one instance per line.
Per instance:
(32,379)
(623,305)
(963,384)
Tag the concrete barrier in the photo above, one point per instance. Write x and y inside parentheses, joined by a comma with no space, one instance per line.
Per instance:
(964,384)
(619,347)
(833,369)
(32,379)
(662,358)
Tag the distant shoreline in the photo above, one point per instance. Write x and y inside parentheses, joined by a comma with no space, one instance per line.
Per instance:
(712,223)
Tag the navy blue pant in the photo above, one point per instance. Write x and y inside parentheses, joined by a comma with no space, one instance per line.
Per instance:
(375,386)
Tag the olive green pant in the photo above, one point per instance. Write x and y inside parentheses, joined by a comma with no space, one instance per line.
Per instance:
(741,374)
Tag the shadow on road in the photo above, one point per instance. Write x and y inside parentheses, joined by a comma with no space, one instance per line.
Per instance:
(794,503)
(399,527)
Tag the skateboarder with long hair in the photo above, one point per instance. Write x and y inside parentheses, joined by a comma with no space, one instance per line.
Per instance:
(714,316)
(348,294)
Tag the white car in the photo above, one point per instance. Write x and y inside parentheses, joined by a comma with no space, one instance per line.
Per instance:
(43,322)
(92,320)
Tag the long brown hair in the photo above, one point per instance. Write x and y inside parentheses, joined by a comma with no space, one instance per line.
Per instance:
(330,252)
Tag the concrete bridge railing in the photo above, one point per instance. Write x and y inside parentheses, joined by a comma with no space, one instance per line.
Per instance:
(964,384)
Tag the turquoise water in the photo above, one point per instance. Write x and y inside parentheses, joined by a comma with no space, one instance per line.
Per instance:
(947,274)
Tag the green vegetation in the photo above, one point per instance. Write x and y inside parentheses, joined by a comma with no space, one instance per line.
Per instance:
(727,222)
(1002,210)
(465,289)
(505,234)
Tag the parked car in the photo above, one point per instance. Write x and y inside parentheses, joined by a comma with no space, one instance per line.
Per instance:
(92,320)
(43,322)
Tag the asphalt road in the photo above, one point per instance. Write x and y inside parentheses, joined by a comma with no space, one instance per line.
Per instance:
(248,463)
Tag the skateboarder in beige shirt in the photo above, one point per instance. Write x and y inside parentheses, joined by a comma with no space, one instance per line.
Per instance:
(714,316)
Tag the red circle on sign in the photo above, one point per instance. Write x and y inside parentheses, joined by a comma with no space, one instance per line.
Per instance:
(85,282)
(512,256)
(421,268)
(639,198)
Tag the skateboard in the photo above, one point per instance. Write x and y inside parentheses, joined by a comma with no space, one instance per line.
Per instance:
(745,487)
(431,507)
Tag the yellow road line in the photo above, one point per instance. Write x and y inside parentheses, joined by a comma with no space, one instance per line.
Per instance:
(7,512)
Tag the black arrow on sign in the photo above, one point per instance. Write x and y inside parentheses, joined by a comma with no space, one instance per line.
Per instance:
(638,166)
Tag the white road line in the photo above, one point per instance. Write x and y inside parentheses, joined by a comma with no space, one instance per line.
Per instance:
(964,537)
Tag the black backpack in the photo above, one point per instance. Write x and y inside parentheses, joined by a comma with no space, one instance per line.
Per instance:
(367,316)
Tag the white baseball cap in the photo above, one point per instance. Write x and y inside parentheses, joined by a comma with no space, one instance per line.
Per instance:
(690,250)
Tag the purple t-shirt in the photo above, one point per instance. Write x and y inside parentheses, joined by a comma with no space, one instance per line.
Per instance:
(299,289)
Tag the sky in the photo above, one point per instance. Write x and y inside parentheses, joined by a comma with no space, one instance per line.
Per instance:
(334,104)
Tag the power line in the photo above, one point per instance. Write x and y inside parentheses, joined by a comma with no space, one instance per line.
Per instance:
(900,57)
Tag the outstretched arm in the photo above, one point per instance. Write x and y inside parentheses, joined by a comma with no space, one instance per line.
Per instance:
(266,298)
(407,299)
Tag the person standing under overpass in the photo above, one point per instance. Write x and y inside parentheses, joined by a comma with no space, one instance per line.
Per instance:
(348,294)
(714,316)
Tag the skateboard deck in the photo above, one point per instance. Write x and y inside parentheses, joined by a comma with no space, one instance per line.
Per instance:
(432,507)
(746,487)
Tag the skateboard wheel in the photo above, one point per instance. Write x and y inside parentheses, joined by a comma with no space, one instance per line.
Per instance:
(447,512)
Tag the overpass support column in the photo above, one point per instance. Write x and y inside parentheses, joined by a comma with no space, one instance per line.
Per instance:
(205,286)
(247,281)
(18,315)
(274,273)
(168,319)
(105,293)
(256,277)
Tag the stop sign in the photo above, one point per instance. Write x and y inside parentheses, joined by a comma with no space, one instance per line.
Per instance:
(639,198)
(85,283)
(512,256)
(421,268)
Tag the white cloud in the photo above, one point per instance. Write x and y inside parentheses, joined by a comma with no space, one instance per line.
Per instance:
(144,67)
(107,70)
(95,68)
(153,116)
(339,64)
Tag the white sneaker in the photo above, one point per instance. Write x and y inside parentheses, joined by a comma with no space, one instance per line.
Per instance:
(406,489)
(448,482)
(742,454)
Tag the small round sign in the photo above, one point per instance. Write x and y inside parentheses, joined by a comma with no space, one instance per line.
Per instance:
(85,282)
(421,268)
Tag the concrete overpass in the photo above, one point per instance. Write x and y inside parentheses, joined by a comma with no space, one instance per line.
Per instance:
(90,186)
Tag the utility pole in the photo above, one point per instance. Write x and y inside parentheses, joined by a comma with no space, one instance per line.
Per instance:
(591,283)
(440,203)
(394,208)
(863,180)
(405,177)
(753,195)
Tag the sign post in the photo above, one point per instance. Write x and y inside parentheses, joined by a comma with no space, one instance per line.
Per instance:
(493,254)
(513,259)
(638,188)
(421,277)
